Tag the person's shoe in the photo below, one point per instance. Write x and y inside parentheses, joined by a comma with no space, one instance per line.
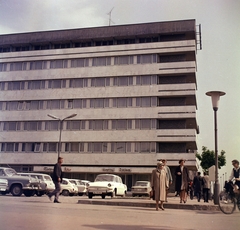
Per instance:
(49,197)
(56,201)
(162,207)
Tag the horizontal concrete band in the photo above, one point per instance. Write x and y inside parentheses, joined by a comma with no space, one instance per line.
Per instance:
(192,205)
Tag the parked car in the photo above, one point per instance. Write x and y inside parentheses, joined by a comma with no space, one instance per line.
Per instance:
(46,183)
(106,185)
(141,188)
(3,185)
(18,185)
(68,188)
(80,185)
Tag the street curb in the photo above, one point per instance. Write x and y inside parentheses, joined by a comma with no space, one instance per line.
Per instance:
(150,204)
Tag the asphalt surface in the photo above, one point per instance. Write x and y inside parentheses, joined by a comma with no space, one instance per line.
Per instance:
(173,203)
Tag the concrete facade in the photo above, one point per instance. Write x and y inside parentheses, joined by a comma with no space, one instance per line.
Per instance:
(136,102)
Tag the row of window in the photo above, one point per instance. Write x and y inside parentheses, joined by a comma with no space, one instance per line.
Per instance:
(86,62)
(79,103)
(74,125)
(79,83)
(98,147)
(50,45)
(75,147)
(95,103)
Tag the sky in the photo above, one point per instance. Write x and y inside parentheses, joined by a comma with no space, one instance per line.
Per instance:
(218,66)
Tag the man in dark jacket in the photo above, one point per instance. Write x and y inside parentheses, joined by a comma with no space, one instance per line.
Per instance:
(57,179)
(197,185)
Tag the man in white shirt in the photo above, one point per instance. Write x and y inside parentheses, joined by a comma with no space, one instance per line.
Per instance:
(235,173)
(206,187)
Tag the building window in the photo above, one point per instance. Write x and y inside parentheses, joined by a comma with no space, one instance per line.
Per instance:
(56,84)
(146,58)
(36,85)
(172,147)
(78,83)
(52,125)
(101,61)
(38,65)
(80,62)
(58,64)
(172,124)
(123,60)
(172,58)
(172,80)
(172,101)
(3,67)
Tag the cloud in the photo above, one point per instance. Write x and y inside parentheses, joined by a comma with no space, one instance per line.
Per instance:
(28,15)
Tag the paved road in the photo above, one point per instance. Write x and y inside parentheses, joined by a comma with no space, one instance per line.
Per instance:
(38,213)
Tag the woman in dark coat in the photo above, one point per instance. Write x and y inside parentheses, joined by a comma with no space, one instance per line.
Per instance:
(182,179)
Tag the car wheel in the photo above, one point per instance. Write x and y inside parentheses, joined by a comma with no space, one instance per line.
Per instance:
(133,195)
(125,193)
(90,195)
(113,193)
(71,194)
(103,196)
(16,190)
(29,193)
(65,193)
(80,194)
(40,193)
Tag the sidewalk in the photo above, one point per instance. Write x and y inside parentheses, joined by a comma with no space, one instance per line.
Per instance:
(173,203)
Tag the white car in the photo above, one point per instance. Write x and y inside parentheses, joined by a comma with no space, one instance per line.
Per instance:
(106,185)
(80,185)
(68,188)
(141,188)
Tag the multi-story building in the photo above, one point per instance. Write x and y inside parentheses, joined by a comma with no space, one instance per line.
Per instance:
(133,88)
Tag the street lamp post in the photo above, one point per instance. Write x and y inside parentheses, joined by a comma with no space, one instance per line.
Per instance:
(215,95)
(60,128)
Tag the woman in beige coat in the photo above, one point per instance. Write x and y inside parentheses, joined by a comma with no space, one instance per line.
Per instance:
(159,184)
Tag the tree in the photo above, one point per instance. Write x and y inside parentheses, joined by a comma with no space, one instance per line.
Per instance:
(207,158)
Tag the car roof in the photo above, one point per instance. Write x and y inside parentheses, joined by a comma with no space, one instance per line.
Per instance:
(42,174)
(107,174)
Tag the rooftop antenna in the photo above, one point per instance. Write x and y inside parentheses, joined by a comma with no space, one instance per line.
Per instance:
(110,17)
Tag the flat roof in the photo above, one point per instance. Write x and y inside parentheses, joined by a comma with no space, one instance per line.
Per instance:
(101,33)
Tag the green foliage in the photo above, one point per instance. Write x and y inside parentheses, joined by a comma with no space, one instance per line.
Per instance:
(207,158)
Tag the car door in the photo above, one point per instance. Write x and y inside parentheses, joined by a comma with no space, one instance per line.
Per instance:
(120,189)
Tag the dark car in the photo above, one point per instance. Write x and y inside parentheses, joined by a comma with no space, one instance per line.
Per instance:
(18,185)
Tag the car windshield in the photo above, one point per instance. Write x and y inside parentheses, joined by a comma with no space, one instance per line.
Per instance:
(141,183)
(47,178)
(73,182)
(10,172)
(104,178)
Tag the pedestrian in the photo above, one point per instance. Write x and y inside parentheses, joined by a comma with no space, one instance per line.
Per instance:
(182,179)
(197,185)
(206,187)
(57,179)
(190,188)
(159,184)
(169,175)
(235,173)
